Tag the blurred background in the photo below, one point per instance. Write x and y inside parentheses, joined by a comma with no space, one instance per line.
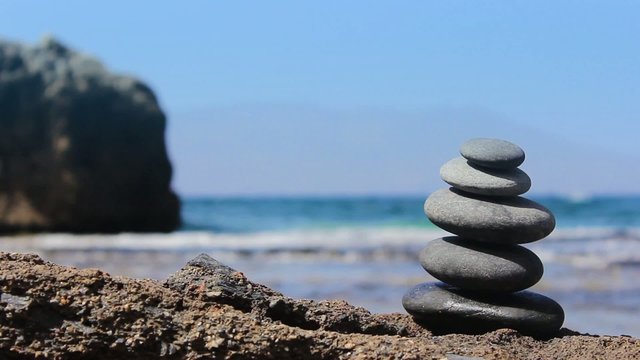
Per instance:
(296,142)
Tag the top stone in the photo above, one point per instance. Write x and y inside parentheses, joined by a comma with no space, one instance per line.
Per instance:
(492,153)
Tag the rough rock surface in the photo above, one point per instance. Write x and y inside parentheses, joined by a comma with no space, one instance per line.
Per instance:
(81,149)
(208,310)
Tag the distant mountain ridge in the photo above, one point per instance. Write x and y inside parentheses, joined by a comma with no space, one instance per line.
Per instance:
(311,150)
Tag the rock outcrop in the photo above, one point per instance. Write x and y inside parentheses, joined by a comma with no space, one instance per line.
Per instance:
(81,149)
(208,310)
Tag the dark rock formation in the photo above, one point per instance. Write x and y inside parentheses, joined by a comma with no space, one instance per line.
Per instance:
(208,310)
(81,149)
(224,285)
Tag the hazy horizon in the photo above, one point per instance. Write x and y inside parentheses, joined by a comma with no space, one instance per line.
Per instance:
(289,98)
(391,153)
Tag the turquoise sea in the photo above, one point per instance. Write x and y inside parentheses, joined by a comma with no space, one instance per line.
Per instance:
(364,250)
(244,215)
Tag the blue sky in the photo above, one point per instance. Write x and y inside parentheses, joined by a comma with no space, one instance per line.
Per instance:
(352,97)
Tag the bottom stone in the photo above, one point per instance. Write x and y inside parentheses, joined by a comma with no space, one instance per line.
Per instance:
(444,309)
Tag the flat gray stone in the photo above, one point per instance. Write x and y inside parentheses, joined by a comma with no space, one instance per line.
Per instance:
(492,153)
(444,309)
(507,220)
(468,177)
(472,265)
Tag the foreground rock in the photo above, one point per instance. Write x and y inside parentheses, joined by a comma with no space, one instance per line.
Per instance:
(81,149)
(209,310)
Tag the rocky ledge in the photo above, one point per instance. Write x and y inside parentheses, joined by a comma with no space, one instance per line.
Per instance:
(209,310)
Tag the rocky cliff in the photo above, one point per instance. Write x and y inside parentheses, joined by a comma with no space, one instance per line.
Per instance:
(208,310)
(81,149)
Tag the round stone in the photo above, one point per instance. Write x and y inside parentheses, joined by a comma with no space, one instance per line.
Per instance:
(444,309)
(492,153)
(478,266)
(466,176)
(507,220)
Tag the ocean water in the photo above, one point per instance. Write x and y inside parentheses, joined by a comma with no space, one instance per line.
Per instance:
(364,250)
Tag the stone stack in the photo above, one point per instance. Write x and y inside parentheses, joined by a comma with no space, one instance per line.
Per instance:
(483,269)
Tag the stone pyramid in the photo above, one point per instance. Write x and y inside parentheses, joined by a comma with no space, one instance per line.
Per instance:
(483,271)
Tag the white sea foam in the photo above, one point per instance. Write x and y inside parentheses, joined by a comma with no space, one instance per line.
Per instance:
(580,247)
